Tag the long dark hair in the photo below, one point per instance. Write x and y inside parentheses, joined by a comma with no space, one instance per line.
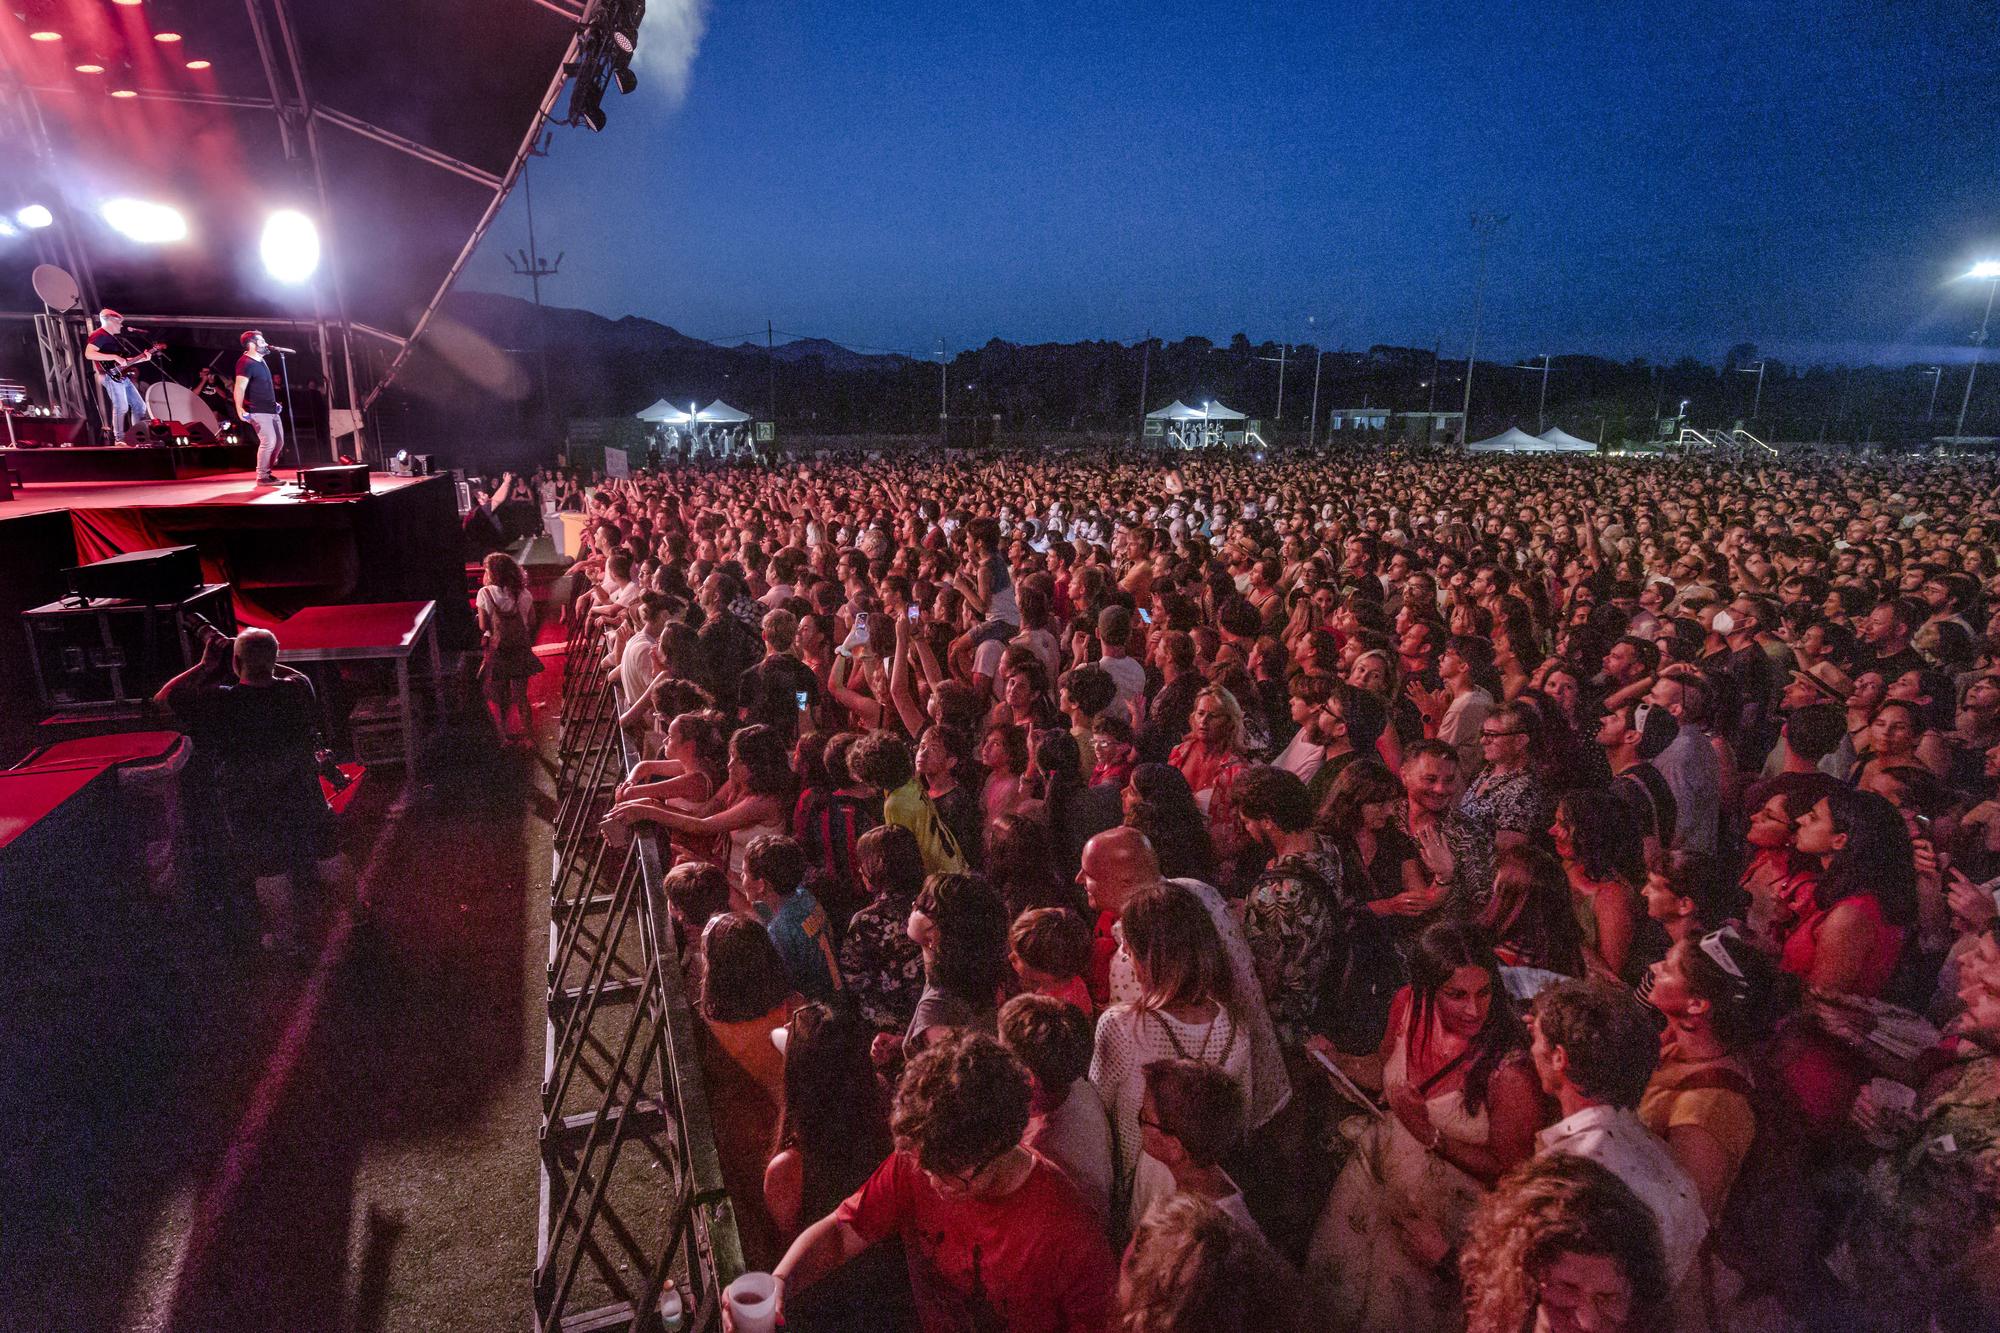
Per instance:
(1061,763)
(1744,1005)
(1022,867)
(762,751)
(969,961)
(1440,950)
(1878,858)
(1606,835)
(1172,822)
(834,1114)
(1531,910)
(742,975)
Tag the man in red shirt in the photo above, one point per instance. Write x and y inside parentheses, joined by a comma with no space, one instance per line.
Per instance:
(997,1237)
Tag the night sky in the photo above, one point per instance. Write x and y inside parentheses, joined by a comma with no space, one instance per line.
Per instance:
(1679,176)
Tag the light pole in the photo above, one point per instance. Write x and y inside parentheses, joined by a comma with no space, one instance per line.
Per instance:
(1312,426)
(1989,271)
(944,414)
(1756,401)
(1483,227)
(1280,359)
(1937,377)
(1542,407)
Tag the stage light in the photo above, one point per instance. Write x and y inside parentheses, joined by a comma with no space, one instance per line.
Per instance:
(127,3)
(35,216)
(1985,269)
(89,69)
(166,37)
(623,76)
(145,222)
(197,64)
(45,36)
(122,93)
(290,246)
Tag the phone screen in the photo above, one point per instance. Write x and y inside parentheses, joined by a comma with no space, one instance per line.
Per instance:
(803,699)
(1145,616)
(861,623)
(912,612)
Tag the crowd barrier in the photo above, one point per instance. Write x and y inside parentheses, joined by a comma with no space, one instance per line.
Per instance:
(635,1229)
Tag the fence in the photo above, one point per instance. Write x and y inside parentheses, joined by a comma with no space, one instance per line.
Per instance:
(635,1230)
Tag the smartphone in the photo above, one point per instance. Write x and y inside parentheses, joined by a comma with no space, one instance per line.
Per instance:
(1145,616)
(912,612)
(804,699)
(861,623)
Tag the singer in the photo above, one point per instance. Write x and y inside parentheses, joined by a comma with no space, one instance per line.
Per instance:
(257,403)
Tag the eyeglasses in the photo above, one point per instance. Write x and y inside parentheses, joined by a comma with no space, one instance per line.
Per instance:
(1499,735)
(960,1182)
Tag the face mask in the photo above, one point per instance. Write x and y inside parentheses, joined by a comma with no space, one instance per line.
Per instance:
(1724,623)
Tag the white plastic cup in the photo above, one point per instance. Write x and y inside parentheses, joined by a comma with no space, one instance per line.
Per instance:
(753,1303)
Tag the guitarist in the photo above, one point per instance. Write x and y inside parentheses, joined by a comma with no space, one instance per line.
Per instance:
(114,351)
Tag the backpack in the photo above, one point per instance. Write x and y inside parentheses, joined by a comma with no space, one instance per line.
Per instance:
(1770,1220)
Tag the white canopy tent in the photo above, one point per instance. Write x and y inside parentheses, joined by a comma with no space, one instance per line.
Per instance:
(722,413)
(1513,440)
(1200,427)
(664,413)
(1555,437)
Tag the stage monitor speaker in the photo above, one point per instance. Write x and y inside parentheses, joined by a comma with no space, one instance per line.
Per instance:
(199,433)
(161,576)
(335,480)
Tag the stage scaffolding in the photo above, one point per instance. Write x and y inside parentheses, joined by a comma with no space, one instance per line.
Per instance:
(632,1207)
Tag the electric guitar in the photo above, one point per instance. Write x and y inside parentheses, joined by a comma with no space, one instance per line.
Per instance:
(121,368)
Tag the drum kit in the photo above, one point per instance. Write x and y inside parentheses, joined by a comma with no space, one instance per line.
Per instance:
(187,412)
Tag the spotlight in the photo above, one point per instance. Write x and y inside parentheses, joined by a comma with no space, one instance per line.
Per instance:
(625,29)
(123,93)
(166,37)
(586,101)
(45,36)
(197,64)
(35,216)
(290,246)
(127,3)
(89,69)
(145,222)
(623,76)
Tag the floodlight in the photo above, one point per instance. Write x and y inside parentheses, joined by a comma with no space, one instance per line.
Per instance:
(45,35)
(625,28)
(1985,269)
(145,222)
(88,68)
(166,37)
(123,94)
(623,76)
(197,64)
(290,246)
(34,216)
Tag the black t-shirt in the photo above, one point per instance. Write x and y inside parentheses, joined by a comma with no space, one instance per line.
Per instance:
(258,395)
(769,693)
(115,344)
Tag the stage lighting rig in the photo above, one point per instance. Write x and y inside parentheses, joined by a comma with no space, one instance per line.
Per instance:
(604,60)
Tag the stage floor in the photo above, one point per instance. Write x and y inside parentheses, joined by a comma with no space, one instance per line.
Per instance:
(227,488)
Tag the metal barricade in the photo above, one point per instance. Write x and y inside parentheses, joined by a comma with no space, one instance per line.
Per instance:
(632,1204)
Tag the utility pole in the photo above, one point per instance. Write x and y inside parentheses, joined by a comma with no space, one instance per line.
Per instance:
(1280,359)
(1483,227)
(1757,399)
(1145,375)
(1937,377)
(529,264)
(1978,342)
(944,415)
(771,364)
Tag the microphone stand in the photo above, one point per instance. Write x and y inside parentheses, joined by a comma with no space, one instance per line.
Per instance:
(291,424)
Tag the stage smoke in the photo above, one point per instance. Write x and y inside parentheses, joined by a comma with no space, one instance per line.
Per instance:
(668,42)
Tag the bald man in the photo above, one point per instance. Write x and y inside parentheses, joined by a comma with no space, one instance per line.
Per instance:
(1118,863)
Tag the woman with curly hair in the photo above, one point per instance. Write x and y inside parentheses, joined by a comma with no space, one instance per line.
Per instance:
(1563,1245)
(1190,1269)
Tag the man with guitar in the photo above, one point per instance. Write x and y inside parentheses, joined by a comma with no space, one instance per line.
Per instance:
(112,349)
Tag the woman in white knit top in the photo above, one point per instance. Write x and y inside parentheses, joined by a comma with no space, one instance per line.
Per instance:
(1183,1012)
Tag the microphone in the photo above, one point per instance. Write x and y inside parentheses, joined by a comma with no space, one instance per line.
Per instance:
(289,351)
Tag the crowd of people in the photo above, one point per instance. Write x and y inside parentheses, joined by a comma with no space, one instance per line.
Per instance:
(1389,892)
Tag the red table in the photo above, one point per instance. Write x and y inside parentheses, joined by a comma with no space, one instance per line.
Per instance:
(370,631)
(30,795)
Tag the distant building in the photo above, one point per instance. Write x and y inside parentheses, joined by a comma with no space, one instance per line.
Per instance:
(1358,424)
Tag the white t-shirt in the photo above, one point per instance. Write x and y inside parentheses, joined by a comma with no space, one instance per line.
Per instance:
(1303,757)
(1128,676)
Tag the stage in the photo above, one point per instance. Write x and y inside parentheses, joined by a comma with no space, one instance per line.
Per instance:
(110,464)
(281,552)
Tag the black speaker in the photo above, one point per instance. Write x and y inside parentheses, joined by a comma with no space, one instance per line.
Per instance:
(335,480)
(164,575)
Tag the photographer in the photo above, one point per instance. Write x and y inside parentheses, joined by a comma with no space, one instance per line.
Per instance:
(258,722)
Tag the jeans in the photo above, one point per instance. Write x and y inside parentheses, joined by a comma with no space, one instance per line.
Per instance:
(128,407)
(270,439)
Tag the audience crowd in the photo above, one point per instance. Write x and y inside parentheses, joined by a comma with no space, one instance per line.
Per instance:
(1381,893)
